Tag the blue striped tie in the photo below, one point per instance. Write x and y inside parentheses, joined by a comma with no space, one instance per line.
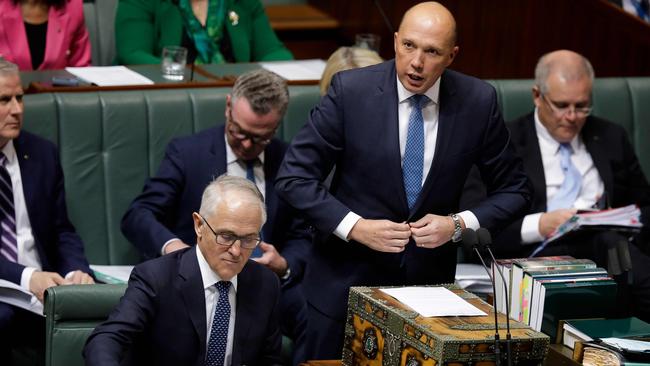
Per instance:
(216,354)
(9,247)
(250,175)
(413,163)
(568,192)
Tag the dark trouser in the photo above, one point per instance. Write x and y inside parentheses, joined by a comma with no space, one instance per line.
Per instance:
(20,329)
(323,338)
(633,285)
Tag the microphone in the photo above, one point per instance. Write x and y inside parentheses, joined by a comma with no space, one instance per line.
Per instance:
(485,240)
(471,242)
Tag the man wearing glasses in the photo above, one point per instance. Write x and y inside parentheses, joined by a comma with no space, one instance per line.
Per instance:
(203,305)
(575,161)
(159,221)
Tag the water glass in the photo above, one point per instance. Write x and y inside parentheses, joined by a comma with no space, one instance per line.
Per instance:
(174,59)
(368,40)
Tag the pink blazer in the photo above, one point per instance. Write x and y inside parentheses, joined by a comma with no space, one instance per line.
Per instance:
(66,44)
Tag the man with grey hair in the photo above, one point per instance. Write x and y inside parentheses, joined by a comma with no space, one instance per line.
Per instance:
(159,220)
(39,247)
(575,161)
(203,305)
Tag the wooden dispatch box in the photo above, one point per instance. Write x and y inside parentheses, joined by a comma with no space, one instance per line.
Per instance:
(381,331)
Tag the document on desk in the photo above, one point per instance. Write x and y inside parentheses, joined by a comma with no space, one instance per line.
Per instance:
(433,301)
(109,75)
(112,274)
(297,70)
(15,295)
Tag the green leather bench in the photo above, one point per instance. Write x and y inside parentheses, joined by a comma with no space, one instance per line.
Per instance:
(110,142)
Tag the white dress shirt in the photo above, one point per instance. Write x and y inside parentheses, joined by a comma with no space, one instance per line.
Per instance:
(430,113)
(210,278)
(237,168)
(27,253)
(591,189)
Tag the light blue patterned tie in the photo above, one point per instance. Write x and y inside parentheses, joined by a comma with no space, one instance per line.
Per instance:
(413,162)
(219,334)
(568,192)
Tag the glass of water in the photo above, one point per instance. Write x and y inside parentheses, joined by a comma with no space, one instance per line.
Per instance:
(174,59)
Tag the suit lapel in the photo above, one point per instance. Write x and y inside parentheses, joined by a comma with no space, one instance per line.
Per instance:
(217,163)
(57,28)
(191,288)
(15,36)
(272,158)
(528,148)
(599,154)
(28,172)
(245,307)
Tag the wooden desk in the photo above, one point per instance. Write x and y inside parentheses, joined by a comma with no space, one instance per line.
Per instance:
(322,363)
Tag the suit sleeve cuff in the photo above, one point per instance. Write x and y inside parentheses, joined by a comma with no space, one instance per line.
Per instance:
(26,276)
(530,229)
(470,220)
(346,225)
(162,250)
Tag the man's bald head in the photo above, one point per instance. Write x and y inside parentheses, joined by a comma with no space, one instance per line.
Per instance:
(425,45)
(566,65)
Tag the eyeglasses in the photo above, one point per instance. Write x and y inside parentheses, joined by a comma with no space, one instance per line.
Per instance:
(228,239)
(241,135)
(561,111)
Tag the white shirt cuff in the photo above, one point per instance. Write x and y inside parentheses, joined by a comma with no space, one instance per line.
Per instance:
(530,229)
(26,276)
(471,222)
(345,226)
(162,251)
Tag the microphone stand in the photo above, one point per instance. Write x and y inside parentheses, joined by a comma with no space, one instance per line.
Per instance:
(470,238)
(486,239)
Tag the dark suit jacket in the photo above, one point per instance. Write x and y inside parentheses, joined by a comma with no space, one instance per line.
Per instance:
(59,247)
(355,127)
(162,318)
(164,208)
(613,157)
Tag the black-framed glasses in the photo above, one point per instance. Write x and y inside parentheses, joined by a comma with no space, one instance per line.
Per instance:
(238,133)
(228,239)
(561,111)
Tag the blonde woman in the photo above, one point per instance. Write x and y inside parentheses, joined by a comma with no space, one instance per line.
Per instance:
(346,58)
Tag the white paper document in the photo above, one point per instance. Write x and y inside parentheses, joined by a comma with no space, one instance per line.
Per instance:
(112,274)
(297,70)
(433,301)
(15,295)
(109,75)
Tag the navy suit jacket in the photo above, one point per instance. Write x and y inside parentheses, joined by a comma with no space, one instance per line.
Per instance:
(612,154)
(355,127)
(59,247)
(161,318)
(164,208)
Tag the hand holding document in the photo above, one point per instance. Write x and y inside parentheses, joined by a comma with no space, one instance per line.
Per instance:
(433,301)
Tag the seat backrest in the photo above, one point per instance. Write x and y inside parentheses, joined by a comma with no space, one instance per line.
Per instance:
(71,314)
(100,21)
(111,142)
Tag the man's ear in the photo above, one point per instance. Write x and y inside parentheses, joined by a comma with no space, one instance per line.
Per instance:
(198,223)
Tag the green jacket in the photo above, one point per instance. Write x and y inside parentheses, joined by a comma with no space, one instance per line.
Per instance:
(144,27)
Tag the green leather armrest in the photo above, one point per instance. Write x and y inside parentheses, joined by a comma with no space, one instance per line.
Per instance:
(72,312)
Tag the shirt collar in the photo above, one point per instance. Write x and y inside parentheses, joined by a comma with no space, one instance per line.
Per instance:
(545,137)
(232,158)
(10,151)
(432,93)
(209,276)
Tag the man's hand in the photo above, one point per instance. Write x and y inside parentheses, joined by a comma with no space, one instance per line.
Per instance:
(432,231)
(381,235)
(80,278)
(41,281)
(175,245)
(272,259)
(549,221)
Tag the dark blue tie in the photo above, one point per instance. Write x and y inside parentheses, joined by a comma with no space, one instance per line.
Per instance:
(250,175)
(413,161)
(216,355)
(9,244)
(568,192)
